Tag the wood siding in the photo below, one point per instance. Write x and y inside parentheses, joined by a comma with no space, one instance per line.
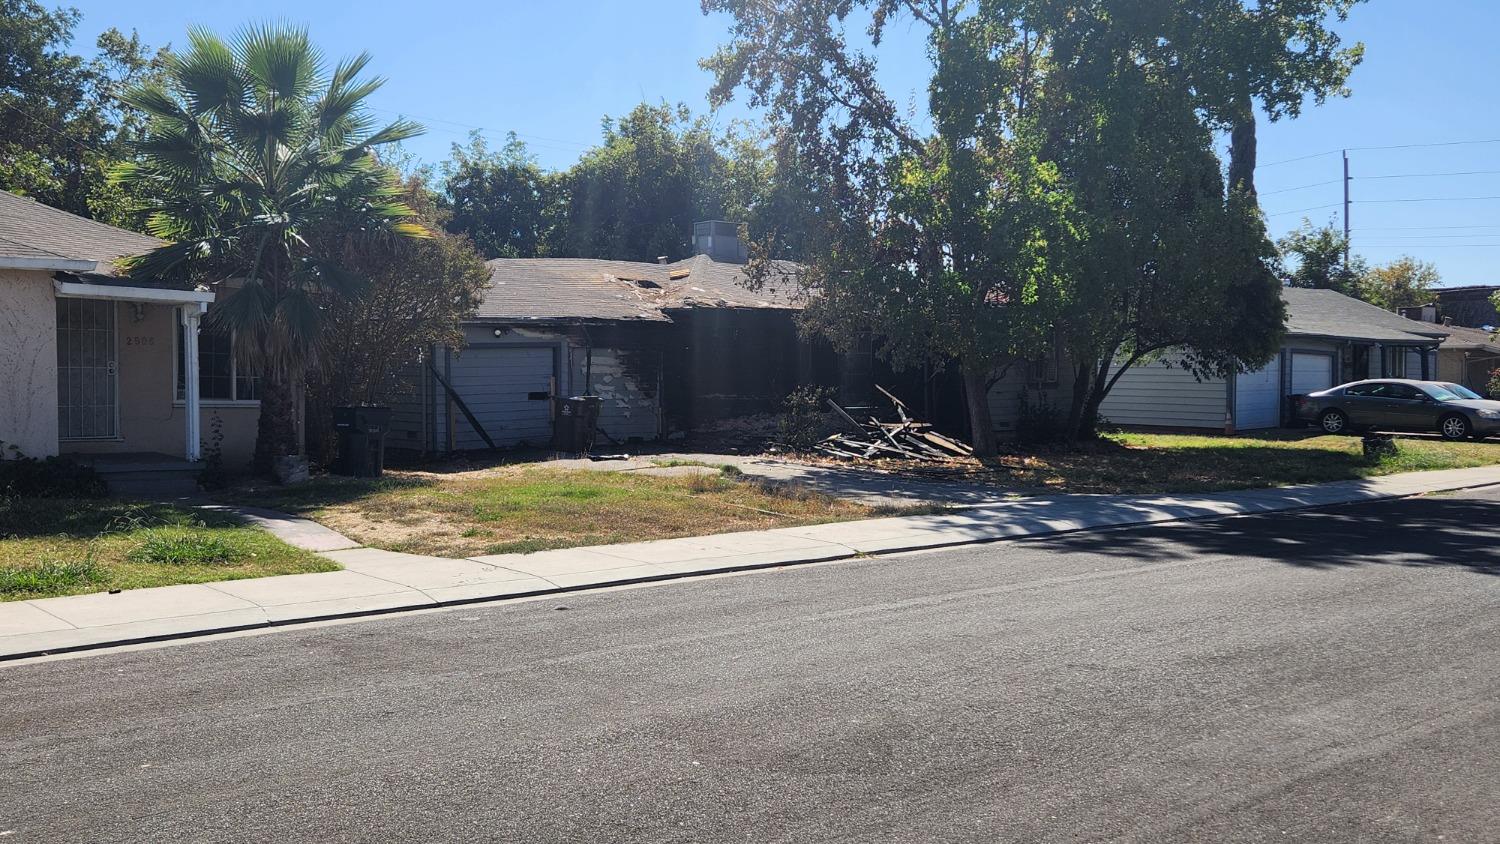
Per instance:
(1161,394)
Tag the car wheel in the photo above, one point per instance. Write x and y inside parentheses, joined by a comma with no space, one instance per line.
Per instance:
(1333,422)
(1454,427)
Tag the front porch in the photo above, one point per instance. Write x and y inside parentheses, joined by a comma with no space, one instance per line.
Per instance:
(145,474)
(128,380)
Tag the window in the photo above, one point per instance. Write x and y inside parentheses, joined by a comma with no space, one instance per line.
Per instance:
(221,377)
(1042,371)
(1405,392)
(1362,390)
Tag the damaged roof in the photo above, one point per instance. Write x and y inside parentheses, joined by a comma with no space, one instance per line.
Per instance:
(1327,313)
(572,289)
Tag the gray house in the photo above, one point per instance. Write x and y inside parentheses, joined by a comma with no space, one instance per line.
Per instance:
(1331,339)
(667,346)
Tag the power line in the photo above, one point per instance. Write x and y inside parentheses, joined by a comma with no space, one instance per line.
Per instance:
(1301,210)
(1422,228)
(1430,175)
(1299,187)
(1426,145)
(1426,199)
(1298,158)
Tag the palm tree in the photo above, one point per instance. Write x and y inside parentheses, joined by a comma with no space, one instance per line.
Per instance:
(266,167)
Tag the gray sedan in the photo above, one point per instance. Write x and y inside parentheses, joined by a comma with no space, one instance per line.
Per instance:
(1395,404)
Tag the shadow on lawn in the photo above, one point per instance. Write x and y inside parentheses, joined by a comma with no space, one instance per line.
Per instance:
(1422,532)
(80,518)
(326,491)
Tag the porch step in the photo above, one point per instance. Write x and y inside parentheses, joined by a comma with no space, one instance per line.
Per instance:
(145,475)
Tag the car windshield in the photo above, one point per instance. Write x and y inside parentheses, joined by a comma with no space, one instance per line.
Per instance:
(1441,392)
(1461,391)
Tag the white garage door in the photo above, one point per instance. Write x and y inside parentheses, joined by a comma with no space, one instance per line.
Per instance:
(1257,398)
(1311,373)
(507,391)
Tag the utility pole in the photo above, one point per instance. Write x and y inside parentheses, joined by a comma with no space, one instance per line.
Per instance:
(1346,208)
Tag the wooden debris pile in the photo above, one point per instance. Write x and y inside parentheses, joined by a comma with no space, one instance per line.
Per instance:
(905,438)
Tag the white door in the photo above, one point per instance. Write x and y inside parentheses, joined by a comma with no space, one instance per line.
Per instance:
(1311,372)
(1257,397)
(508,390)
(87,392)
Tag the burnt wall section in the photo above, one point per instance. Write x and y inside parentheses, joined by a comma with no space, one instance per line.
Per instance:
(727,362)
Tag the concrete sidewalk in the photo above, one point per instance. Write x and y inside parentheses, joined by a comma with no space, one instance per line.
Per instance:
(375,581)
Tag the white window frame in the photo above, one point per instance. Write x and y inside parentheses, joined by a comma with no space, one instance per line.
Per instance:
(234,372)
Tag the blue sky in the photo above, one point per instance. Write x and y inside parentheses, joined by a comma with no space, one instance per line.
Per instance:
(551,71)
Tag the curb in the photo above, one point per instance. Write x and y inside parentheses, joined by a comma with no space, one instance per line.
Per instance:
(723,569)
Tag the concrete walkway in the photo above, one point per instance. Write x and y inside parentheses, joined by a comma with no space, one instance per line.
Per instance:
(375,581)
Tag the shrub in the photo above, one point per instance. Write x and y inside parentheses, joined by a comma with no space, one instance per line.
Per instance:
(1494,385)
(51,477)
(213,475)
(1039,421)
(184,548)
(49,577)
(803,422)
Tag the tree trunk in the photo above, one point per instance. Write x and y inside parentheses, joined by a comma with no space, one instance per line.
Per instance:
(1082,382)
(276,433)
(982,426)
(1242,149)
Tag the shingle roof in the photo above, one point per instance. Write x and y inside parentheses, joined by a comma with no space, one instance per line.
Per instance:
(565,289)
(1327,313)
(29,229)
(1470,338)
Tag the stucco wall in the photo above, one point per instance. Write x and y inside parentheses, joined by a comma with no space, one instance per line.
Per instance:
(28,363)
(150,417)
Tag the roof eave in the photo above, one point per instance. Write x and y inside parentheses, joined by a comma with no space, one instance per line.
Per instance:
(48,264)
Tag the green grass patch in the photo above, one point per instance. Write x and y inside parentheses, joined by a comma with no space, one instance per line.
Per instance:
(73,546)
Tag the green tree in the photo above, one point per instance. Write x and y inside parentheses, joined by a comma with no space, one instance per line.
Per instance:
(420,290)
(1319,258)
(1174,262)
(1067,187)
(636,196)
(1404,282)
(264,158)
(62,123)
(1235,56)
(500,198)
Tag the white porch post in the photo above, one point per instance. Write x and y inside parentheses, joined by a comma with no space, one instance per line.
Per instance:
(192,314)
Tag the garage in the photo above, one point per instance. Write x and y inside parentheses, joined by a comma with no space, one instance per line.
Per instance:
(1257,398)
(508,390)
(1311,372)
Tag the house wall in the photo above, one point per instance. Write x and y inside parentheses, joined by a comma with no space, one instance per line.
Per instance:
(1006,394)
(151,419)
(28,364)
(496,376)
(1160,393)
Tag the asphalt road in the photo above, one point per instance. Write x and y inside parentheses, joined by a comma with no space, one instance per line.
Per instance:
(1314,677)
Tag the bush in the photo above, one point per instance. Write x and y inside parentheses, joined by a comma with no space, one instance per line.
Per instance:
(51,477)
(1494,385)
(48,577)
(184,548)
(803,423)
(1039,421)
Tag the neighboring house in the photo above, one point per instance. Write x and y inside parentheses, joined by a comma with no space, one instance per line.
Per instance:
(1471,306)
(95,363)
(1331,339)
(1468,356)
(667,346)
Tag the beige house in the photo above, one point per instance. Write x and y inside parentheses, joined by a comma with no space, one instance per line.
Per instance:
(95,363)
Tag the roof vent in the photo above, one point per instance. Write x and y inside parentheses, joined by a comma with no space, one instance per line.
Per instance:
(661,259)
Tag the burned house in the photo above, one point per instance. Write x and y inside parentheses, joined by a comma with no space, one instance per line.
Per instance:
(667,347)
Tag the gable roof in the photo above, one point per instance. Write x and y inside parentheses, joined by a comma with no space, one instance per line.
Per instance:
(31,230)
(1330,314)
(586,289)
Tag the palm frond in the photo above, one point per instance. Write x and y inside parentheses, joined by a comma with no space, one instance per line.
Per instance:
(207,73)
(279,60)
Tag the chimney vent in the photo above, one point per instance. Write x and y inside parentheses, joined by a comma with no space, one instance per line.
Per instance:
(720,241)
(661,259)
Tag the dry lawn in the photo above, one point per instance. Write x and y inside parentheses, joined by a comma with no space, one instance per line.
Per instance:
(533,508)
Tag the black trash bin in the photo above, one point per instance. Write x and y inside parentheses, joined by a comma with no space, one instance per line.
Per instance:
(361,433)
(576,424)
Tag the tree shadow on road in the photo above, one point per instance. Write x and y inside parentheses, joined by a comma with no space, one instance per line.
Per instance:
(1428,531)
